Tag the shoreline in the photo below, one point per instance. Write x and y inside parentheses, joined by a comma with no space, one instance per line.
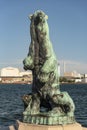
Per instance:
(73,83)
(31,83)
(17,83)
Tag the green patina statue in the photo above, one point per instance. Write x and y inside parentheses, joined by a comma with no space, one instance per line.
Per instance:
(46,104)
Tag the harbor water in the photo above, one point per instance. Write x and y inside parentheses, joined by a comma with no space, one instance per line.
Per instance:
(11,105)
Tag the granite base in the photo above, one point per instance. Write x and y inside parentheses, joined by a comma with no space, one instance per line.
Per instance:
(27,126)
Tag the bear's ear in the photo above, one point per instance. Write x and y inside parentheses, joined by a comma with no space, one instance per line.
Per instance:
(46,17)
(30,16)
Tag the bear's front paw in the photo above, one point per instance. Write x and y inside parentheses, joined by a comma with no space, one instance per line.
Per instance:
(28,63)
(49,66)
(45,69)
(43,77)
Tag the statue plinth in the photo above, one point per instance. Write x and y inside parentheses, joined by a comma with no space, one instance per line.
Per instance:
(27,126)
(48,120)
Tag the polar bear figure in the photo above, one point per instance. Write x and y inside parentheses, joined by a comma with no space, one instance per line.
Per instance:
(42,60)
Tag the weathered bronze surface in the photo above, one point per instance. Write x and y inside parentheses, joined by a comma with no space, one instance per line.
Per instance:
(46,104)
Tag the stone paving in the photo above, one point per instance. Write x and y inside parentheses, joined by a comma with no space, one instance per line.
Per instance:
(31,127)
(8,128)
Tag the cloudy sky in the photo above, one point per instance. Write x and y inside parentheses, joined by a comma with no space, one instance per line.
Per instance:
(68,31)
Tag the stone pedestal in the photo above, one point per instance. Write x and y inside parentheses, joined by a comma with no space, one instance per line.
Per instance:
(44,119)
(26,126)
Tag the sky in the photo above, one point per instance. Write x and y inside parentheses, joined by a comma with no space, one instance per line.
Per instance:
(67,20)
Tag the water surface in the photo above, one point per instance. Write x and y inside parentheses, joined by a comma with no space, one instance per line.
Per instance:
(11,105)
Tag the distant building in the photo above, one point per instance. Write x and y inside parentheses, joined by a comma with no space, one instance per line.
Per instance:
(73,74)
(84,80)
(9,72)
(78,80)
(85,75)
(13,75)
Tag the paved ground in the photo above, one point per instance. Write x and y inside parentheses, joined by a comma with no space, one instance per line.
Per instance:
(14,128)
(8,128)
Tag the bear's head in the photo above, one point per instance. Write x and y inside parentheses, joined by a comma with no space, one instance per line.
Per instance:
(38,17)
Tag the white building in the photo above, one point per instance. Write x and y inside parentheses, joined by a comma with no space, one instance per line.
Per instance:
(9,72)
(73,74)
(14,72)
